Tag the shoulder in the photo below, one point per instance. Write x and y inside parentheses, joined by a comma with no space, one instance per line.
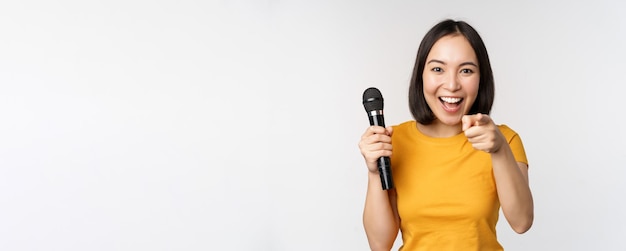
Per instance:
(507,132)
(403,129)
(404,125)
(514,140)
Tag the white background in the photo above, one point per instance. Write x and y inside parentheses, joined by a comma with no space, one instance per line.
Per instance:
(233,125)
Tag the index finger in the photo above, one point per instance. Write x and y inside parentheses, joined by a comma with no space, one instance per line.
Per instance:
(474,120)
(377,130)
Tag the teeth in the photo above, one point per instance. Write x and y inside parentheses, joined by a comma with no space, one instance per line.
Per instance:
(451,100)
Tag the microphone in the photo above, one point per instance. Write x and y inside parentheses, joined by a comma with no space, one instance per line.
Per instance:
(373,103)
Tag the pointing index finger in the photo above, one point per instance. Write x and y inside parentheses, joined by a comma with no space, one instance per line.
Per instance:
(474,120)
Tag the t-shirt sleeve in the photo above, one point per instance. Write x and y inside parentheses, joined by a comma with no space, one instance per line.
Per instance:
(515,143)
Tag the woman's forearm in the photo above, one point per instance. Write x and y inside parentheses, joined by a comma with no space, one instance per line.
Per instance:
(379,216)
(513,189)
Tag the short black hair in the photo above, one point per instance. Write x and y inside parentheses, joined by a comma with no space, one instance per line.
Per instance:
(486,89)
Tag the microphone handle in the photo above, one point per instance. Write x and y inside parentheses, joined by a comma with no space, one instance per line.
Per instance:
(384,163)
(384,169)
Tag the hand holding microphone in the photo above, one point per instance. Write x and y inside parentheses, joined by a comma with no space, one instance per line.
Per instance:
(375,143)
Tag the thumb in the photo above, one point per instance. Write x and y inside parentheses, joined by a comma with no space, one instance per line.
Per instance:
(467,121)
(389,130)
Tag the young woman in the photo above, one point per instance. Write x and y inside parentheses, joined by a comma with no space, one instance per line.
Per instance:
(452,166)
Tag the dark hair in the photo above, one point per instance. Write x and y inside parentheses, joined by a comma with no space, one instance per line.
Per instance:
(484,100)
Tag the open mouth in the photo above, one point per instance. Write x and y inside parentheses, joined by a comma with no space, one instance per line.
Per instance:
(451,103)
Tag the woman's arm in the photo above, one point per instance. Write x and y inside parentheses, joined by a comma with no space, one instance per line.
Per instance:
(511,176)
(513,189)
(380,215)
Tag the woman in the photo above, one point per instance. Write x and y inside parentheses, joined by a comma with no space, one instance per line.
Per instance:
(453,167)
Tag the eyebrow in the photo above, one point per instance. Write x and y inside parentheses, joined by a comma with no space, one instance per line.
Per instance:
(443,63)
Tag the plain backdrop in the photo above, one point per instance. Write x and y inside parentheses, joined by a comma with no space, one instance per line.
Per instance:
(233,125)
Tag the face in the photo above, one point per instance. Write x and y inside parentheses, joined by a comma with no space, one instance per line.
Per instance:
(451,78)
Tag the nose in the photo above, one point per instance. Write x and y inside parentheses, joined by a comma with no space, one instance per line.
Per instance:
(452,83)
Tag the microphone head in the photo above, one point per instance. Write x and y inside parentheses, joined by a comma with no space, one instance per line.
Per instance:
(372,100)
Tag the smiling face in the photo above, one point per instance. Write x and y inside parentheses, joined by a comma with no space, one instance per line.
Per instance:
(451,78)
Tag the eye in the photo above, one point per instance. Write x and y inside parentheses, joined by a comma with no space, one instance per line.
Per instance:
(467,71)
(437,69)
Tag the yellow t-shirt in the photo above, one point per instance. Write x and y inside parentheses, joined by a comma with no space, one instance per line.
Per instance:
(446,192)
